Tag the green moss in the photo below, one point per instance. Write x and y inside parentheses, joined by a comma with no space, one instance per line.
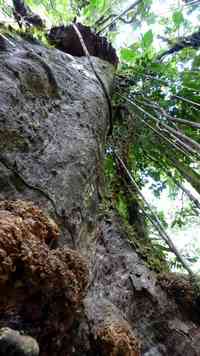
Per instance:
(152,254)
(17,182)
(127,203)
(10,140)
(30,34)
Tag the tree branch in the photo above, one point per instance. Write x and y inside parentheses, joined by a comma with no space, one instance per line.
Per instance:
(155,220)
(111,16)
(192,41)
(170,175)
(124,12)
(185,170)
(169,117)
(173,144)
(23,13)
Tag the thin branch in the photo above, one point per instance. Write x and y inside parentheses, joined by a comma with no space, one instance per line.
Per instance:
(171,143)
(192,124)
(124,12)
(188,143)
(192,41)
(186,171)
(103,20)
(177,132)
(162,81)
(153,118)
(170,117)
(188,150)
(170,175)
(22,12)
(186,100)
(192,3)
(104,13)
(183,137)
(155,220)
(111,16)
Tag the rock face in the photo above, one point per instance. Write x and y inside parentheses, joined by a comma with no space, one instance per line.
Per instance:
(123,288)
(53,126)
(12,343)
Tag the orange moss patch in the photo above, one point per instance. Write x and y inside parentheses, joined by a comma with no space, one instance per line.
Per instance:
(116,339)
(179,287)
(40,287)
(34,220)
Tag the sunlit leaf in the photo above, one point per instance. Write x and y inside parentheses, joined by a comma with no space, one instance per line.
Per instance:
(127,54)
(147,39)
(177,18)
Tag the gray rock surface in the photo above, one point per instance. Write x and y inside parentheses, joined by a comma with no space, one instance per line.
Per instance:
(124,288)
(53,124)
(14,344)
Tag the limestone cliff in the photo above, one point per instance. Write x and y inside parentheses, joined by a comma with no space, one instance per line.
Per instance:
(69,277)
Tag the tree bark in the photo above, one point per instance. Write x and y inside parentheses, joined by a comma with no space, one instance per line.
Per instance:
(54,119)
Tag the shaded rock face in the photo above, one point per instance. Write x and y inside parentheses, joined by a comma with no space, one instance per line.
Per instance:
(53,126)
(12,343)
(123,289)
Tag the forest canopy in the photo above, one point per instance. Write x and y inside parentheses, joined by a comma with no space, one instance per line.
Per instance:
(156,105)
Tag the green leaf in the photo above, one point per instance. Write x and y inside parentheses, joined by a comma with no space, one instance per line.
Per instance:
(178,18)
(147,39)
(127,54)
(122,207)
(94,3)
(98,4)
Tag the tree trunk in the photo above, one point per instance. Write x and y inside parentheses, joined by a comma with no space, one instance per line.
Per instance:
(96,297)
